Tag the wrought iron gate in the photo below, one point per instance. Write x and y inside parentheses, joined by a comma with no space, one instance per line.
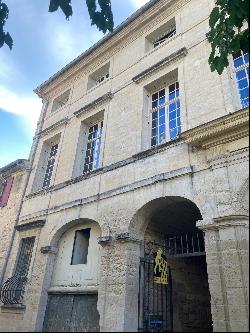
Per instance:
(155,290)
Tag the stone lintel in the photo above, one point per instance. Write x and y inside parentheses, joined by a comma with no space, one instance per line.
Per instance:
(30,225)
(224,222)
(49,250)
(161,64)
(95,103)
(54,126)
(226,129)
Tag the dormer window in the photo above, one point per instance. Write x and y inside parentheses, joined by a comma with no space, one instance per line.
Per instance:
(99,76)
(60,101)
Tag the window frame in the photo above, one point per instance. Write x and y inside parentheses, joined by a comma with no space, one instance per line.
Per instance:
(51,157)
(166,105)
(18,257)
(167,36)
(236,70)
(97,159)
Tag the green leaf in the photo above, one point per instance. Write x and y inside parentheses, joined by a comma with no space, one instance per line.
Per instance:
(8,40)
(215,15)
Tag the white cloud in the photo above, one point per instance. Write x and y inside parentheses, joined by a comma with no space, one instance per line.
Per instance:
(138,3)
(29,107)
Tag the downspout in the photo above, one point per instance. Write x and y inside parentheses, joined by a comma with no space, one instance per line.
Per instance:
(31,161)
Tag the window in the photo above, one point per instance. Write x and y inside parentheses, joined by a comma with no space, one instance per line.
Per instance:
(165,37)
(5,189)
(80,248)
(161,35)
(60,101)
(92,157)
(50,166)
(99,76)
(165,114)
(241,68)
(24,257)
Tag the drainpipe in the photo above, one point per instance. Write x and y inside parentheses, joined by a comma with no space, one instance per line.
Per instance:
(29,169)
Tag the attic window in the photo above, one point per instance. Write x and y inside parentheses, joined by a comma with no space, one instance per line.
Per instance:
(161,35)
(81,247)
(165,37)
(99,76)
(60,101)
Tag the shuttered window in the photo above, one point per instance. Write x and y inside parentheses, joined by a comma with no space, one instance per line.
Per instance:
(5,189)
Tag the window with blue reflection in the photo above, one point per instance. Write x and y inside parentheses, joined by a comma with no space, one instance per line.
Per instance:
(241,67)
(166,114)
(93,151)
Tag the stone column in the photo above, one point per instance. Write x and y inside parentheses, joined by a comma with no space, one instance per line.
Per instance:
(119,285)
(227,252)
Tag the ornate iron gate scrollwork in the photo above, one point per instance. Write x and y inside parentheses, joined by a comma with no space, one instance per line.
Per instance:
(155,296)
(12,291)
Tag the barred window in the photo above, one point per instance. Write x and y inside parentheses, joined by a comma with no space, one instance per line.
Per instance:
(24,257)
(50,166)
(241,69)
(167,35)
(92,158)
(166,114)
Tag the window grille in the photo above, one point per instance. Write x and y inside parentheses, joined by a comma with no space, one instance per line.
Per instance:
(171,33)
(165,115)
(102,78)
(93,151)
(241,69)
(50,166)
(13,289)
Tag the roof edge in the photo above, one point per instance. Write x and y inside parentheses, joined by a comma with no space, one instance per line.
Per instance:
(106,38)
(17,165)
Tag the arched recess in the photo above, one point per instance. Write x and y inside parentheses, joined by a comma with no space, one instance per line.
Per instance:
(180,302)
(73,288)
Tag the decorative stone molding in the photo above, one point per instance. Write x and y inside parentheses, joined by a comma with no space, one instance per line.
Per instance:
(48,250)
(95,103)
(224,222)
(104,240)
(54,126)
(220,131)
(30,225)
(161,64)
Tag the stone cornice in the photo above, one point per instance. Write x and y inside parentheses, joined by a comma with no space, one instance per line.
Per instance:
(220,131)
(54,126)
(19,165)
(99,101)
(224,222)
(161,64)
(112,43)
(30,225)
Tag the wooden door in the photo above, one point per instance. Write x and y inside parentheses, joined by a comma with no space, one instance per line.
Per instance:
(71,313)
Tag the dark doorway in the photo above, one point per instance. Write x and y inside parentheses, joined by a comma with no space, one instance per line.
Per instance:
(180,300)
(71,313)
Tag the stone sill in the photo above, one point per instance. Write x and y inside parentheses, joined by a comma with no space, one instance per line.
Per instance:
(13,308)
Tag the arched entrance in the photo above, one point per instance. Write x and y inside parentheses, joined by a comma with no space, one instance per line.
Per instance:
(73,292)
(174,292)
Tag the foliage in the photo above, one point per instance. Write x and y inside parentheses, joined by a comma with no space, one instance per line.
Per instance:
(102,18)
(227,35)
(5,37)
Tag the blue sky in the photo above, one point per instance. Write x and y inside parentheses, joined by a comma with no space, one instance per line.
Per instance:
(43,43)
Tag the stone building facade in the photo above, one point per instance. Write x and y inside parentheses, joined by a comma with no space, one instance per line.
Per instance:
(13,178)
(136,212)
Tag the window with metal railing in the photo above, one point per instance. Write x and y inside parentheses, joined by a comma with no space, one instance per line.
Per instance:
(164,37)
(165,114)
(50,166)
(93,150)
(241,69)
(12,291)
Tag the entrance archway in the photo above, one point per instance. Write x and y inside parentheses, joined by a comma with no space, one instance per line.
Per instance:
(73,292)
(174,291)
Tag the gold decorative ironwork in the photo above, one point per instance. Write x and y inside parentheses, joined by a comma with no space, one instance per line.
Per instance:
(160,268)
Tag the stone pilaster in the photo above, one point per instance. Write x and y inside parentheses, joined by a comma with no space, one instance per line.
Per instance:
(227,240)
(119,283)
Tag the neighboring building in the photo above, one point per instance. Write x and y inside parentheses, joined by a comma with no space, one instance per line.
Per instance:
(12,183)
(140,152)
